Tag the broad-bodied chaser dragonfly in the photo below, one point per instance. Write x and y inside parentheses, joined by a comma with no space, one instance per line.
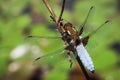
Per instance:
(74,42)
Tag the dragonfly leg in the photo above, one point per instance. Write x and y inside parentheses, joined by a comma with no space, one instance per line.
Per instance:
(85,40)
(70,59)
(52,18)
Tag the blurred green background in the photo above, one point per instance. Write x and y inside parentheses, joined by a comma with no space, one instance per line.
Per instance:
(18,19)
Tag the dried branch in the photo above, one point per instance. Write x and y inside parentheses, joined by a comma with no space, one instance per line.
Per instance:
(62,10)
(83,68)
(55,18)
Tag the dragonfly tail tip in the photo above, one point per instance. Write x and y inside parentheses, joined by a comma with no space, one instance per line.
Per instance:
(93,71)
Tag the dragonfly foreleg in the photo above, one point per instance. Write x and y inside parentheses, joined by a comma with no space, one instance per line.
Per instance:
(85,40)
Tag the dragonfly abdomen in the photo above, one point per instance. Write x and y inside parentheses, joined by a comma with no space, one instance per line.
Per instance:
(84,57)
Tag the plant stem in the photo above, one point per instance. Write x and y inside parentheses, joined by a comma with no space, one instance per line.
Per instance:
(51,11)
(83,68)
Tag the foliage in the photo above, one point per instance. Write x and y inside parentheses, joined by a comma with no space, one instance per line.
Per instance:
(18,19)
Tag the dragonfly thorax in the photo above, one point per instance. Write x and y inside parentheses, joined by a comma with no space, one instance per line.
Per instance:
(68,32)
(69,36)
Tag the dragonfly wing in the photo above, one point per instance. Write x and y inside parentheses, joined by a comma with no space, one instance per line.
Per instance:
(84,57)
(44,37)
(60,51)
(51,59)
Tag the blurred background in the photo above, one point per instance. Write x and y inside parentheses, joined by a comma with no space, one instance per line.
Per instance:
(19,19)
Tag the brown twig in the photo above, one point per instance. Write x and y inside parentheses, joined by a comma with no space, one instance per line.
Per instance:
(62,10)
(83,68)
(51,11)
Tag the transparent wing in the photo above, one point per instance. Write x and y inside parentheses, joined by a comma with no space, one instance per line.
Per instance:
(43,40)
(46,37)
(51,59)
(58,52)
(55,63)
(86,38)
(85,21)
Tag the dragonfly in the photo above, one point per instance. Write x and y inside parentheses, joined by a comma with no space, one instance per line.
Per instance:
(75,43)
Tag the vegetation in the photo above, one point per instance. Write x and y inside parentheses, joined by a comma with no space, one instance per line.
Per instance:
(19,19)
